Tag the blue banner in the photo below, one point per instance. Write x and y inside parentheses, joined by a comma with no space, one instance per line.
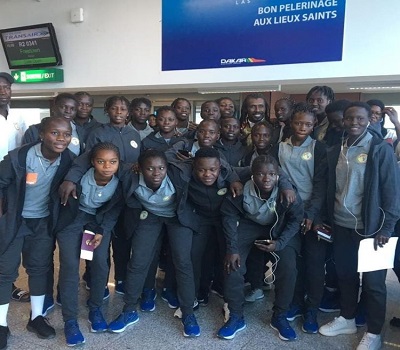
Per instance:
(198,34)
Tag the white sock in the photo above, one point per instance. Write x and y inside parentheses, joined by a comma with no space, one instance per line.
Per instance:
(3,314)
(37,302)
(330,289)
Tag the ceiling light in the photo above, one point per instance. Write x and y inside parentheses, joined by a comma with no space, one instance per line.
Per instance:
(34,97)
(236,90)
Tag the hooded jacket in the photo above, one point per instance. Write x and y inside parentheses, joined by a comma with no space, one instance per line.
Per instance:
(12,192)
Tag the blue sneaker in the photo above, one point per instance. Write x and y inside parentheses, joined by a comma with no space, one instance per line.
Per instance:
(190,326)
(282,326)
(310,324)
(120,287)
(124,320)
(106,293)
(330,301)
(170,297)
(48,304)
(73,335)
(97,321)
(148,296)
(293,313)
(229,329)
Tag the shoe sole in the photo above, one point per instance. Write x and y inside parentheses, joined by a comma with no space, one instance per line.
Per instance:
(77,344)
(328,310)
(169,305)
(254,300)
(190,335)
(33,330)
(229,337)
(291,319)
(92,330)
(280,335)
(122,329)
(349,331)
(309,332)
(148,310)
(49,309)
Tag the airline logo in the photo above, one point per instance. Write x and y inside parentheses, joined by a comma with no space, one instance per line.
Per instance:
(230,61)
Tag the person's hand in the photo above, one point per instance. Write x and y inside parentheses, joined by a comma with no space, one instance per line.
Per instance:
(288,195)
(192,126)
(236,188)
(135,168)
(307,224)
(380,240)
(182,157)
(231,262)
(269,247)
(95,242)
(66,189)
(392,114)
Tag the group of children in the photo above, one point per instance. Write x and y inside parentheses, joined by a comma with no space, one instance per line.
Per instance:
(217,200)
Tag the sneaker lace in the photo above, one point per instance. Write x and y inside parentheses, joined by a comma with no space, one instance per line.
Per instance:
(366,340)
(310,315)
(283,321)
(148,295)
(233,319)
(190,320)
(73,327)
(97,316)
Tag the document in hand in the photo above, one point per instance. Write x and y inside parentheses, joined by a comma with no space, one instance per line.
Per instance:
(370,259)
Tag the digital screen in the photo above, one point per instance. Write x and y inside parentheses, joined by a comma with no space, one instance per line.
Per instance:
(31,46)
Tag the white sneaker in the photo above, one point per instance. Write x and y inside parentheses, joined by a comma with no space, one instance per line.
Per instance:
(339,325)
(253,295)
(370,342)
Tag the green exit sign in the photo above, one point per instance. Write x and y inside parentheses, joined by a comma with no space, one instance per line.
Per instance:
(49,75)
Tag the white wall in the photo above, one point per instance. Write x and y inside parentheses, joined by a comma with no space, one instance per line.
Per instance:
(119,45)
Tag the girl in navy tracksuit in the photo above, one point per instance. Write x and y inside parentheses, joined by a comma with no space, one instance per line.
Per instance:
(304,160)
(155,200)
(167,134)
(29,180)
(260,215)
(97,209)
(129,144)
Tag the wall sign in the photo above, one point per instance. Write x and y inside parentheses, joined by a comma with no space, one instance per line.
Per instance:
(198,34)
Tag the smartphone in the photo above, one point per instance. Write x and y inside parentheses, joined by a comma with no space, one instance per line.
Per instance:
(184,152)
(325,233)
(87,248)
(262,241)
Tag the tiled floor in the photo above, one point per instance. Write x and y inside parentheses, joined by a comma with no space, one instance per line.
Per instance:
(160,330)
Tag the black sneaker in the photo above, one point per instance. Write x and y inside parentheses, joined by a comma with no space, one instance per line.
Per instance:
(41,327)
(4,334)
